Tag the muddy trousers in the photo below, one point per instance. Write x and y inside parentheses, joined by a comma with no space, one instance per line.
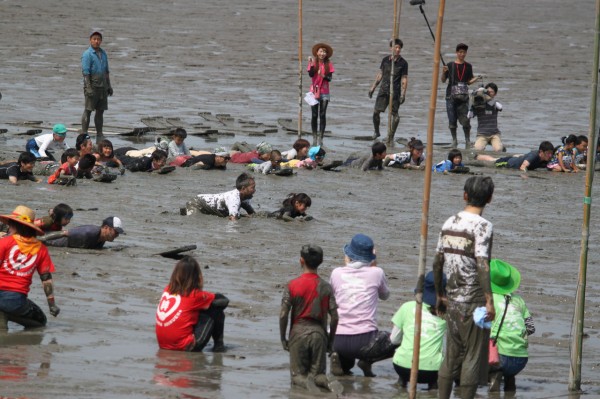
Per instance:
(457,113)
(319,113)
(211,323)
(308,355)
(466,352)
(369,347)
(98,121)
(15,307)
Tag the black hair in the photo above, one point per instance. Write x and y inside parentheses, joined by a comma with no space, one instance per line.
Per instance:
(455,152)
(275,154)
(581,139)
(80,140)
(546,146)
(180,132)
(461,46)
(87,162)
(571,138)
(22,229)
(395,42)
(479,190)
(493,86)
(244,180)
(60,211)
(312,255)
(69,153)
(105,144)
(158,155)
(26,157)
(415,143)
(378,148)
(300,197)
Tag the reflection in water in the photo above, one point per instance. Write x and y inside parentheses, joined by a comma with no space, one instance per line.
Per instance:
(21,357)
(189,370)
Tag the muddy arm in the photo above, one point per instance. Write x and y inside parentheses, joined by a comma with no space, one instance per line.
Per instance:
(49,291)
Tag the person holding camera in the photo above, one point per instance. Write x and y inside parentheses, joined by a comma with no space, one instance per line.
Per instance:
(459,75)
(486,108)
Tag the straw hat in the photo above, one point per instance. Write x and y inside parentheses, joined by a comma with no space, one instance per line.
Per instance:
(504,277)
(327,47)
(22,215)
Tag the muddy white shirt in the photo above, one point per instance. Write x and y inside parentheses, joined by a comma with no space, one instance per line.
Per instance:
(465,237)
(46,142)
(225,202)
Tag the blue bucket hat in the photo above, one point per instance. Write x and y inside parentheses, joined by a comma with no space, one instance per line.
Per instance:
(429,296)
(360,249)
(60,130)
(315,152)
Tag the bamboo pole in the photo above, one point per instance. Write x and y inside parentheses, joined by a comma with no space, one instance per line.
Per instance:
(577,332)
(391,102)
(426,194)
(299,68)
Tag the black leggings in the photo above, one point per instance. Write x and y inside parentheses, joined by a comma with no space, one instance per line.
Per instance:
(211,323)
(319,111)
(423,376)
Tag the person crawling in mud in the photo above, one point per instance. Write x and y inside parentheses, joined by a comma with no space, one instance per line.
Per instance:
(243,153)
(453,164)
(227,204)
(532,160)
(294,208)
(66,173)
(87,236)
(411,159)
(217,160)
(310,299)
(271,166)
(155,162)
(20,170)
(374,161)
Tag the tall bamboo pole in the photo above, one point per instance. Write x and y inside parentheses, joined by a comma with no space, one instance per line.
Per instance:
(299,68)
(577,333)
(426,194)
(391,102)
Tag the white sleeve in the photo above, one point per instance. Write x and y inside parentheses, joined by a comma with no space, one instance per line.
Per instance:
(396,336)
(45,143)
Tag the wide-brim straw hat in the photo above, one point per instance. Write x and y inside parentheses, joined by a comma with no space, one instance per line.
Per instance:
(23,215)
(504,277)
(317,46)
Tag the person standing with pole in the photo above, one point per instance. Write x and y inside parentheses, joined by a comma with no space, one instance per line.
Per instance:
(400,85)
(96,83)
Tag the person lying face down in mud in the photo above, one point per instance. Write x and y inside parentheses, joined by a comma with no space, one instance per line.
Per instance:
(294,207)
(87,236)
(20,170)
(225,204)
(156,162)
(374,161)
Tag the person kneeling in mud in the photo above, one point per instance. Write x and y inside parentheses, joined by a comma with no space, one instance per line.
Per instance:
(225,204)
(187,316)
(86,236)
(310,299)
(294,208)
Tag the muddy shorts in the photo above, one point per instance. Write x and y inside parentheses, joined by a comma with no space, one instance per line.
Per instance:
(383,100)
(99,101)
(308,354)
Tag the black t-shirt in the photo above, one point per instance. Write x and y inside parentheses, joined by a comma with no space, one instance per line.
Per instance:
(400,70)
(458,73)
(13,169)
(207,159)
(143,164)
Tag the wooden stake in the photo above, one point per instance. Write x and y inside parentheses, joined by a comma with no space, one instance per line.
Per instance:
(435,76)
(300,68)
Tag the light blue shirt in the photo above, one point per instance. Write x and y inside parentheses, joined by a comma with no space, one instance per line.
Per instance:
(94,64)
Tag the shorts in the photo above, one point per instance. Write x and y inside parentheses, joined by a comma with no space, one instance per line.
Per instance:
(99,101)
(383,100)
(502,162)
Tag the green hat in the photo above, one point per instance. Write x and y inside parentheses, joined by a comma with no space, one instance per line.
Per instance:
(60,130)
(504,277)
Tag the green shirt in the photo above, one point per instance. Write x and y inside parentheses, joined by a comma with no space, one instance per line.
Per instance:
(513,334)
(433,329)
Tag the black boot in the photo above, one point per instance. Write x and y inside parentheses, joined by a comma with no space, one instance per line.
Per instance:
(510,384)
(467,138)
(376,121)
(454,140)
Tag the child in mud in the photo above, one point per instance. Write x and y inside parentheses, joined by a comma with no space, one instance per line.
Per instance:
(271,166)
(411,159)
(452,164)
(207,161)
(155,162)
(176,146)
(310,299)
(374,161)
(299,151)
(294,208)
(225,204)
(20,170)
(512,330)
(580,151)
(242,153)
(563,159)
(85,166)
(42,146)
(58,218)
(66,173)
(105,156)
(187,316)
(530,161)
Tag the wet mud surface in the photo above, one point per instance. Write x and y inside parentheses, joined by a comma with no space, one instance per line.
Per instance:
(177,59)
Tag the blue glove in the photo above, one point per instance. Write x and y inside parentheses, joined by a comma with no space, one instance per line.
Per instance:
(479,318)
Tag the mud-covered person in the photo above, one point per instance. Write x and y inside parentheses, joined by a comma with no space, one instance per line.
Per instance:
(459,75)
(20,170)
(310,300)
(464,248)
(66,173)
(294,207)
(217,160)
(373,161)
(298,151)
(96,83)
(87,236)
(227,204)
(154,162)
(22,254)
(383,97)
(271,166)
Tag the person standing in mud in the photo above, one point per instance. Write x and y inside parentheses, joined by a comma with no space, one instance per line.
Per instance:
(465,248)
(96,84)
(400,84)
(321,70)
(459,75)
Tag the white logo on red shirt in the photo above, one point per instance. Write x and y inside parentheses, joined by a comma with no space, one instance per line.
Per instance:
(167,306)
(19,263)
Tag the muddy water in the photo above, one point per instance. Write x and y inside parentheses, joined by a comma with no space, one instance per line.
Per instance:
(179,58)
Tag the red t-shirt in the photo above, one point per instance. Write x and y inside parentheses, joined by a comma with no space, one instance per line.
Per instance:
(16,270)
(65,167)
(176,317)
(243,157)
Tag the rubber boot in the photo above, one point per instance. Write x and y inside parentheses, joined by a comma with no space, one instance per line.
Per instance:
(444,387)
(3,322)
(495,379)
(376,121)
(468,391)
(320,140)
(467,138)
(365,366)
(454,140)
(315,139)
(336,365)
(392,132)
(510,384)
